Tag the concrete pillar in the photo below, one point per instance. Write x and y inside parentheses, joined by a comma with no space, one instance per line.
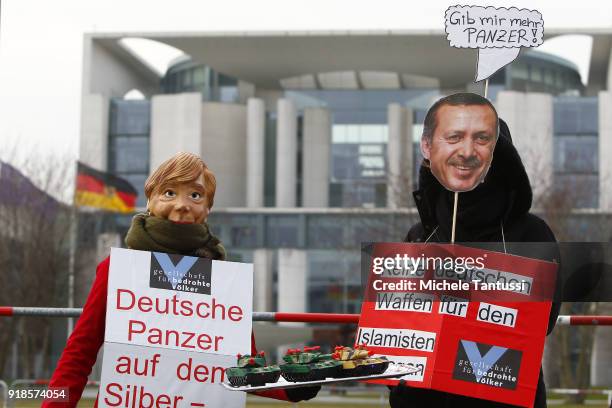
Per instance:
(224,147)
(256,129)
(605,150)
(530,119)
(176,125)
(399,156)
(93,148)
(263,283)
(316,157)
(286,154)
(292,280)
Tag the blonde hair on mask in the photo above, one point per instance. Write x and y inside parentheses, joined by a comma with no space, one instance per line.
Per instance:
(182,168)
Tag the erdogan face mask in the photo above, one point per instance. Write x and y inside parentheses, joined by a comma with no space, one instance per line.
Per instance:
(460,148)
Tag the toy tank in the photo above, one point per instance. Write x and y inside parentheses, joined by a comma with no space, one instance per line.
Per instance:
(308,365)
(252,370)
(357,362)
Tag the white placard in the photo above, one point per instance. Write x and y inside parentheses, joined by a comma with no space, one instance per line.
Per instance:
(173,324)
(417,363)
(139,314)
(149,377)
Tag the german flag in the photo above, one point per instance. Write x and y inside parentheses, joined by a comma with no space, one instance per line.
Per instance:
(97,189)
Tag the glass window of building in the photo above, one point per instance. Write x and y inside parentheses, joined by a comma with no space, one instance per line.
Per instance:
(334,281)
(359,138)
(282,231)
(128,145)
(536,74)
(576,151)
(520,71)
(199,76)
(325,232)
(270,160)
(189,76)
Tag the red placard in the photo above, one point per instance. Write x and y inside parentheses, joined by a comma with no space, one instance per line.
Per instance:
(467,335)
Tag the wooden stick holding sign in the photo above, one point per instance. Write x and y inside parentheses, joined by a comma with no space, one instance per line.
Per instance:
(456,199)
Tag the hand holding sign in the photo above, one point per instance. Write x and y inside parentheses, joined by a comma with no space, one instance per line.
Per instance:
(498,33)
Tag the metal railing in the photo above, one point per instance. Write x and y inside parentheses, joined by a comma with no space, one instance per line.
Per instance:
(564,320)
(573,391)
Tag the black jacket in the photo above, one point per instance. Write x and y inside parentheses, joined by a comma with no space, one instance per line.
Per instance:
(495,212)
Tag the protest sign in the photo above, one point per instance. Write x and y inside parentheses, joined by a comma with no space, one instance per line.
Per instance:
(497,33)
(472,321)
(147,377)
(173,324)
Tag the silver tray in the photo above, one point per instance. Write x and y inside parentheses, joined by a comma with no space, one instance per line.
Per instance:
(393,371)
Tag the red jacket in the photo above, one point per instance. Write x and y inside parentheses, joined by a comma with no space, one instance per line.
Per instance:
(79,356)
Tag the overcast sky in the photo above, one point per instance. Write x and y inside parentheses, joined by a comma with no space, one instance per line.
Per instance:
(41,44)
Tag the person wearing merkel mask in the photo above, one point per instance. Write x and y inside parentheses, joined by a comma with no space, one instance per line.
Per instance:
(180,194)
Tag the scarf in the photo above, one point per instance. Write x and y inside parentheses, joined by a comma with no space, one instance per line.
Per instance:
(149,233)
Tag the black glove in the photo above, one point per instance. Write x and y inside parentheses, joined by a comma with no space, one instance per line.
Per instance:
(302,393)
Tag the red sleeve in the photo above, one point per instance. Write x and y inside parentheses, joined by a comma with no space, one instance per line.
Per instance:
(79,356)
(276,394)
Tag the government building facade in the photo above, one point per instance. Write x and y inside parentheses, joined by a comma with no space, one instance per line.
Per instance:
(314,140)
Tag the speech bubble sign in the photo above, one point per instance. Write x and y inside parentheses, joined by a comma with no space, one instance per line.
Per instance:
(498,33)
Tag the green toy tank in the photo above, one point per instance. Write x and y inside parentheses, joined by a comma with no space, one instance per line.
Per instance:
(357,362)
(308,365)
(252,370)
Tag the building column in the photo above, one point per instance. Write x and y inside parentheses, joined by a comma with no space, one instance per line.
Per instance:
(224,149)
(263,282)
(256,128)
(316,157)
(605,150)
(176,126)
(399,156)
(286,153)
(292,277)
(530,119)
(93,149)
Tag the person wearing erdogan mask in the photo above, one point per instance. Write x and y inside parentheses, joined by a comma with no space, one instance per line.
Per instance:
(180,194)
(468,150)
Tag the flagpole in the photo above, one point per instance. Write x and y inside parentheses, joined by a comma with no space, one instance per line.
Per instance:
(72,254)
